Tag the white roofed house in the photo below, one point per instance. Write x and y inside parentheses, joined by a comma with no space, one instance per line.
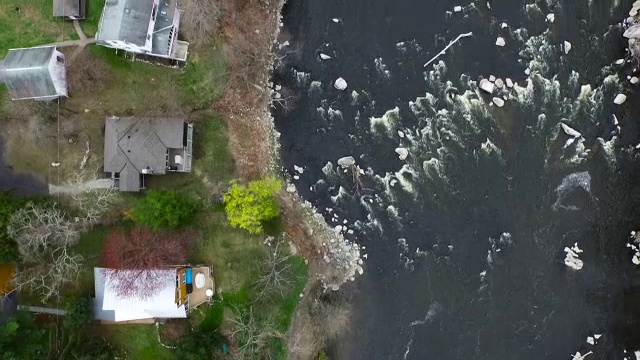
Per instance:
(34,73)
(169,293)
(147,27)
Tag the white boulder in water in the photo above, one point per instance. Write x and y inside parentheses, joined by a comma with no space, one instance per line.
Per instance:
(566,47)
(492,78)
(499,83)
(402,153)
(500,41)
(632,32)
(346,161)
(498,101)
(335,20)
(457,8)
(340,84)
(591,340)
(509,83)
(504,25)
(551,17)
(324,56)
(619,62)
(634,80)
(620,99)
(487,86)
(401,133)
(570,131)
(572,259)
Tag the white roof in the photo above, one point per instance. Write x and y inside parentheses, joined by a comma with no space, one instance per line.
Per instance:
(108,305)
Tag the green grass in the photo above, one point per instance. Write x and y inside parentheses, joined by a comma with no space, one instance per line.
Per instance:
(90,247)
(234,254)
(31,24)
(90,23)
(204,79)
(140,342)
(211,152)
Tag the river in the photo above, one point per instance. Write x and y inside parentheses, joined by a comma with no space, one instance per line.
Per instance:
(465,237)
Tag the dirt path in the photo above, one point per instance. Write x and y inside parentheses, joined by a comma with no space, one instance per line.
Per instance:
(89,185)
(80,43)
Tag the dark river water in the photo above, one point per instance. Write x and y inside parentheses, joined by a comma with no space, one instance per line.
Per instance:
(465,237)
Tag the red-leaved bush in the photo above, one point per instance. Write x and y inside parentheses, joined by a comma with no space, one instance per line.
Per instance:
(139,251)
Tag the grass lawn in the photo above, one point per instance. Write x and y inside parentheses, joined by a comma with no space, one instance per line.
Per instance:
(90,24)
(139,341)
(30,23)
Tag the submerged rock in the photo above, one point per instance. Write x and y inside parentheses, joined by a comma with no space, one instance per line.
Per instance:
(346,161)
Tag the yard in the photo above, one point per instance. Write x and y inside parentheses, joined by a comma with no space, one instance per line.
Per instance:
(103,83)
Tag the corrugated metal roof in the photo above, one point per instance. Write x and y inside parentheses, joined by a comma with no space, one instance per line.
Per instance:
(108,305)
(27,73)
(126,20)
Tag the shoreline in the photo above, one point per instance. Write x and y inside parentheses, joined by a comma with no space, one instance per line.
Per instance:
(332,260)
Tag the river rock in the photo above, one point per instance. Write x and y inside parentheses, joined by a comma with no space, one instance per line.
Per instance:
(487,86)
(402,153)
(340,84)
(620,99)
(498,101)
(634,80)
(551,17)
(346,161)
(570,131)
(567,47)
(500,41)
(499,83)
(324,56)
(298,169)
(457,8)
(492,78)
(504,25)
(632,32)
(509,83)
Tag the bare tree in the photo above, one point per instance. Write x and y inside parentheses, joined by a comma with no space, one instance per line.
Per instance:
(43,236)
(200,19)
(141,251)
(92,200)
(275,273)
(253,336)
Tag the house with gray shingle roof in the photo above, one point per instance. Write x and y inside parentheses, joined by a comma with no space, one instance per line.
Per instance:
(70,9)
(148,27)
(135,147)
(34,73)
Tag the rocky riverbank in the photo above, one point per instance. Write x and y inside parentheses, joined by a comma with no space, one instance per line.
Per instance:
(252,31)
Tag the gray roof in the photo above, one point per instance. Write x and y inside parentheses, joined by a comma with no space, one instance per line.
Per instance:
(26,73)
(162,28)
(75,8)
(126,20)
(132,144)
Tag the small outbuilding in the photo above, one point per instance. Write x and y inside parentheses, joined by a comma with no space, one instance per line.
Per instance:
(70,9)
(34,73)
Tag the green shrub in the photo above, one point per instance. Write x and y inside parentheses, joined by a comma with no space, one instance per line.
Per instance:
(165,210)
(248,206)
(79,314)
